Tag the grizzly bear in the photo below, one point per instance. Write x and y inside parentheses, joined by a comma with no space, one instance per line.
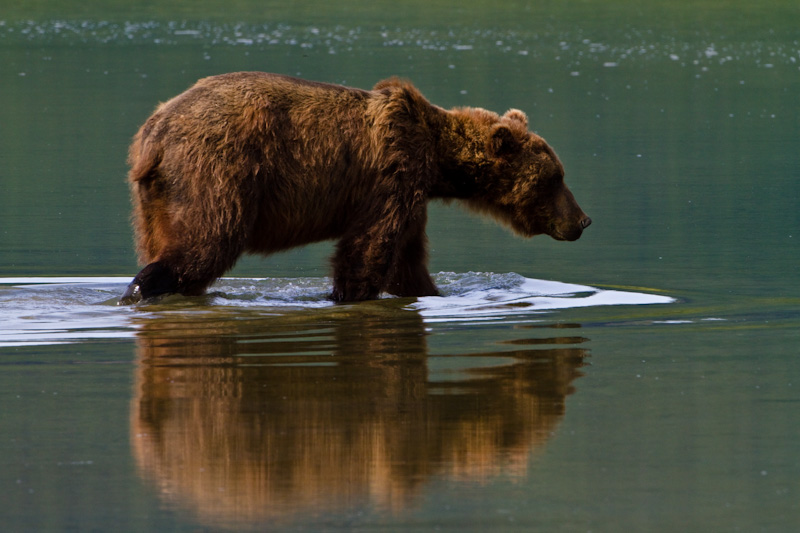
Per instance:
(256,162)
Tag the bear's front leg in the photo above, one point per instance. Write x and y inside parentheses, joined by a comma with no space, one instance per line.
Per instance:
(365,254)
(389,256)
(408,275)
(386,250)
(359,270)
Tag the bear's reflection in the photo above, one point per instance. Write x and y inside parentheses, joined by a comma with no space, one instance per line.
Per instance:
(246,419)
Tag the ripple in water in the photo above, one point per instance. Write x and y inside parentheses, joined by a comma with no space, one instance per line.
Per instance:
(58,310)
(571,48)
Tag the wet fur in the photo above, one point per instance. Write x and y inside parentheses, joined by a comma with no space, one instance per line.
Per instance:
(257,163)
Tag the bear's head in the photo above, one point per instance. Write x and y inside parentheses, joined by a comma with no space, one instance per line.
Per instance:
(514,176)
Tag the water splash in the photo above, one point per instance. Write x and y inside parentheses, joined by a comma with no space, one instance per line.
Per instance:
(60,310)
(480,296)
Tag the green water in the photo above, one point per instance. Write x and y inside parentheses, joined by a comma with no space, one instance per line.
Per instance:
(679,128)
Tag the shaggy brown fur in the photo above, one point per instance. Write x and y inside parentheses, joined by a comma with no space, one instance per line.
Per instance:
(252,162)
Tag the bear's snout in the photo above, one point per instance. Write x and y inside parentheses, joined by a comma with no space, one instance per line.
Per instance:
(568,220)
(570,231)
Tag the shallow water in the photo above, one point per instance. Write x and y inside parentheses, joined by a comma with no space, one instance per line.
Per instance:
(643,378)
(509,401)
(42,310)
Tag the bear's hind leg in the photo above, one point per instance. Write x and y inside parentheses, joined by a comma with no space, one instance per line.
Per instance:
(188,273)
(153,280)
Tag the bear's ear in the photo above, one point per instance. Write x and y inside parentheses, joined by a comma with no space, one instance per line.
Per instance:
(516,114)
(502,142)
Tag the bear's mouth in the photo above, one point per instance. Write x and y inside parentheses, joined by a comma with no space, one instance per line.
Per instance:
(573,234)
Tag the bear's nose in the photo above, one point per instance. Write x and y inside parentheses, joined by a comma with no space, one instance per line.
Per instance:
(586,222)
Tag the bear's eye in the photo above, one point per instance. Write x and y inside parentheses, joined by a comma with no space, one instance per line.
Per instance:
(550,184)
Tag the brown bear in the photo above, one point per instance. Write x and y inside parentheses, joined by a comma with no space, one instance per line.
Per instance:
(257,162)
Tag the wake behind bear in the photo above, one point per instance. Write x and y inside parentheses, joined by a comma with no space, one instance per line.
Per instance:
(252,162)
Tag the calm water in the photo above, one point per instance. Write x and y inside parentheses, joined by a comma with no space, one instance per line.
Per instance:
(644,378)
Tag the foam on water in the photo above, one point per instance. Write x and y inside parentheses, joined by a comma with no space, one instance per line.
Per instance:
(477,296)
(59,310)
